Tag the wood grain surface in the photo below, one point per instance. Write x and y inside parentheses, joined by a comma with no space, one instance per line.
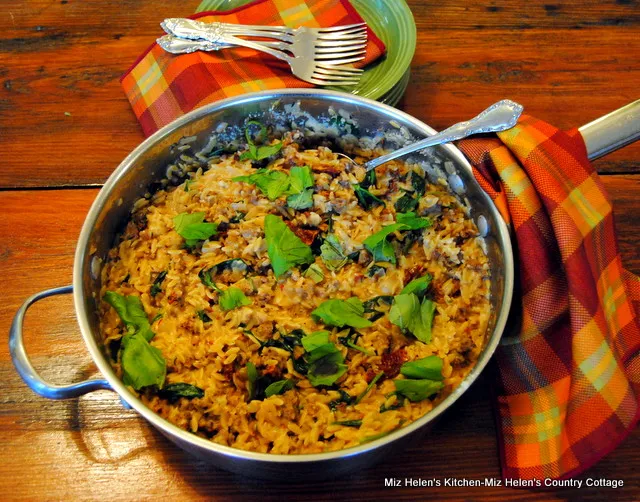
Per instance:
(65,125)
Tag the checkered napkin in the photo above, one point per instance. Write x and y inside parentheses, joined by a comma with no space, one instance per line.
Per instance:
(569,370)
(162,86)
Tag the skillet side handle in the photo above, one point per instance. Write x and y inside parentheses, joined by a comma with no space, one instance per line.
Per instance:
(613,131)
(26,370)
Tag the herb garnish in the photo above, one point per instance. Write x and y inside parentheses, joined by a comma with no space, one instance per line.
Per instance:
(417,390)
(259,152)
(300,188)
(142,364)
(427,368)
(417,286)
(252,377)
(332,253)
(156,286)
(271,183)
(366,199)
(345,398)
(285,248)
(279,387)
(174,391)
(314,272)
(202,315)
(411,316)
(348,423)
(342,313)
(380,248)
(324,359)
(424,378)
(232,298)
(191,226)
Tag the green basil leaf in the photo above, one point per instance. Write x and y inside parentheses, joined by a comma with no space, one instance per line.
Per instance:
(301,178)
(251,153)
(314,272)
(376,239)
(412,222)
(384,252)
(190,226)
(406,203)
(315,340)
(174,391)
(156,286)
(429,368)
(417,390)
(142,364)
(341,313)
(321,351)
(252,377)
(417,286)
(262,132)
(408,314)
(369,179)
(366,199)
(232,298)
(302,200)
(268,150)
(285,248)
(131,312)
(271,183)
(327,370)
(279,387)
(332,254)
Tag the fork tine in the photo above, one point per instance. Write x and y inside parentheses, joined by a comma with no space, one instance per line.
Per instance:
(330,81)
(339,43)
(342,70)
(341,28)
(329,74)
(342,61)
(343,34)
(323,56)
(344,48)
(347,39)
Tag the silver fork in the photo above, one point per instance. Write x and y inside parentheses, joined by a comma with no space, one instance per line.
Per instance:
(312,54)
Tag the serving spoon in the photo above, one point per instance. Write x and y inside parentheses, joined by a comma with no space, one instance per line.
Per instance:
(498,117)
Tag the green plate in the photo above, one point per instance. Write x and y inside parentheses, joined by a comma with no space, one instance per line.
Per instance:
(391,20)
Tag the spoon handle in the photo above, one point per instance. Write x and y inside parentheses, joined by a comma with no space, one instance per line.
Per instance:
(500,116)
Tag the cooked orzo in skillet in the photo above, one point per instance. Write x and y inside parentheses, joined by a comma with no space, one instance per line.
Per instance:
(285,301)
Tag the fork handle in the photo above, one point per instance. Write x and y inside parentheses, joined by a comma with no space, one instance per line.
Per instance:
(197,30)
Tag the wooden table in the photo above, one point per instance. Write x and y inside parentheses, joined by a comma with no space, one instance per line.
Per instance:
(65,125)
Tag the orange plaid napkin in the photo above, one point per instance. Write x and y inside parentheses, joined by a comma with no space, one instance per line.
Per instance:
(162,86)
(569,373)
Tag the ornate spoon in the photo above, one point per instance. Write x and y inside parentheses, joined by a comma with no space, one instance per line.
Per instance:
(500,116)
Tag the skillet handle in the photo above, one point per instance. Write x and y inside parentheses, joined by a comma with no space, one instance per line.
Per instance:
(26,370)
(615,130)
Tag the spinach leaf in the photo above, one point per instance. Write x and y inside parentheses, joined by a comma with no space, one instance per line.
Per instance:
(332,253)
(279,387)
(417,286)
(203,316)
(252,377)
(417,390)
(406,203)
(237,218)
(132,313)
(376,301)
(369,180)
(407,313)
(271,183)
(192,228)
(412,222)
(315,340)
(259,152)
(232,298)
(348,423)
(327,369)
(205,278)
(351,342)
(314,272)
(345,398)
(374,269)
(341,313)
(156,286)
(369,387)
(366,199)
(142,364)
(418,183)
(285,248)
(174,391)
(427,368)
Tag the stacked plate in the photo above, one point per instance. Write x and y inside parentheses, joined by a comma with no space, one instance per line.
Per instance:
(387,79)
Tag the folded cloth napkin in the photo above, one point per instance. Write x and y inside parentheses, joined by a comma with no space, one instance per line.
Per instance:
(569,370)
(162,86)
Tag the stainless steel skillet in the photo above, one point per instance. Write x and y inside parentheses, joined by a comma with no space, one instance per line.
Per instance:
(147,165)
